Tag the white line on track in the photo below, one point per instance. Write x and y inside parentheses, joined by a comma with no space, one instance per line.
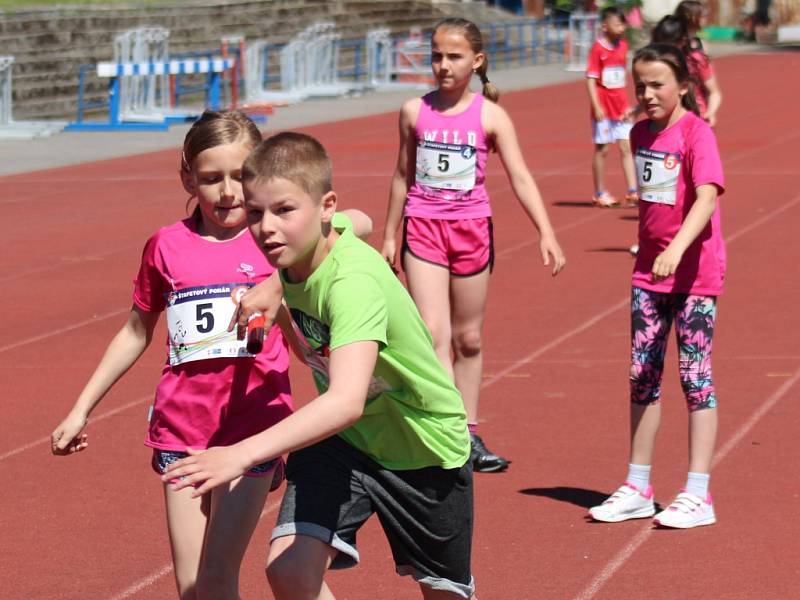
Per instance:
(62,330)
(644,533)
(100,417)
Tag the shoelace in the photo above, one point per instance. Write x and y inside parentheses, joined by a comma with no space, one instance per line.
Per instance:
(685,503)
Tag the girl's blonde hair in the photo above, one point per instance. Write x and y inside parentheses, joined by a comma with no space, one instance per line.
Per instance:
(474,38)
(216,128)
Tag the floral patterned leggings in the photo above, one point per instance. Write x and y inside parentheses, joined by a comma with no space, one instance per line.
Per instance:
(652,314)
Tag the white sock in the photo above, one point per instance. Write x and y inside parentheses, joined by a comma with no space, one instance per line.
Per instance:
(639,475)
(697,484)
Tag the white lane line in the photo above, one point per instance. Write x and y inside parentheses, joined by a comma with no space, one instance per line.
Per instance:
(644,533)
(62,330)
(100,417)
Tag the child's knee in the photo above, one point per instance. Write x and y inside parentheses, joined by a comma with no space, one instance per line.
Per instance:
(468,343)
(216,582)
(288,575)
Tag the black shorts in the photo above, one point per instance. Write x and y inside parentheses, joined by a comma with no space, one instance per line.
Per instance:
(333,488)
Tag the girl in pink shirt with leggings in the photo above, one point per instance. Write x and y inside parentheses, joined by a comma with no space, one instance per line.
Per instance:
(212,392)
(678,275)
(447,249)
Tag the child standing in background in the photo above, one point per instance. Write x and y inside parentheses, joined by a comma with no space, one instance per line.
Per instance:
(678,276)
(212,391)
(611,115)
(438,192)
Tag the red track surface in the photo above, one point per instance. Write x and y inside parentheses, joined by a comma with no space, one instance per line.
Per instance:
(555,399)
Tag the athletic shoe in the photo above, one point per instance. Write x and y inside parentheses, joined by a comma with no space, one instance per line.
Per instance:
(686,511)
(628,502)
(605,200)
(484,460)
(634,249)
(632,199)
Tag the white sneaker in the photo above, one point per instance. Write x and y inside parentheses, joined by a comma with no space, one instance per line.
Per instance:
(686,511)
(628,502)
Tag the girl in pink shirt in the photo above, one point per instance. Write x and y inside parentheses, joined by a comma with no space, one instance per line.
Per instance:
(212,392)
(678,275)
(438,191)
(674,30)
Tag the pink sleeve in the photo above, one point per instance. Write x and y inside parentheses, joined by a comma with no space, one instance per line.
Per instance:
(148,287)
(593,66)
(703,65)
(704,160)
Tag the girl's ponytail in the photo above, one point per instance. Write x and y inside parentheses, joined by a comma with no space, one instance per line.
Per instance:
(489,91)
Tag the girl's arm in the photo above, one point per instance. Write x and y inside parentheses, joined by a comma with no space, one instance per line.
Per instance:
(500,126)
(696,220)
(714,100)
(594,98)
(401,181)
(362,223)
(123,351)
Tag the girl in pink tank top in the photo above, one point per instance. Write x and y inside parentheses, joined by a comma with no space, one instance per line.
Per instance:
(438,192)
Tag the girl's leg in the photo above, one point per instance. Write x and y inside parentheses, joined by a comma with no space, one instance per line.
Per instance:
(296,568)
(468,298)
(651,319)
(429,286)
(431,594)
(694,330)
(186,522)
(235,511)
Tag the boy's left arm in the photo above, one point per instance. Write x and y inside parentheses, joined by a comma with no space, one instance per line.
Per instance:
(351,369)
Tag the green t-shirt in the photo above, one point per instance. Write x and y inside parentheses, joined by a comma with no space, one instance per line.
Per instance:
(413,416)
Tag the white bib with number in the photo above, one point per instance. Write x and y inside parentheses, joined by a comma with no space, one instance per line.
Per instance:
(613,78)
(446,166)
(197,323)
(657,175)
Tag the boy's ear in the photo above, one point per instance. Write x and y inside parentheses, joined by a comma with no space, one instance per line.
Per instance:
(328,204)
(188,182)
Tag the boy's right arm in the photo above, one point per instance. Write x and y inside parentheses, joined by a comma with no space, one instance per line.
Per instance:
(351,369)
(123,351)
(597,109)
(400,181)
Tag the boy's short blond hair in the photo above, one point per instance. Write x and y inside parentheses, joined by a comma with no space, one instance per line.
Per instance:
(296,157)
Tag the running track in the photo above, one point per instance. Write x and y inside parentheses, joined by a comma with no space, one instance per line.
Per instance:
(555,398)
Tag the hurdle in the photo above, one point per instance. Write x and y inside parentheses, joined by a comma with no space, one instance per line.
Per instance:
(582,31)
(19,130)
(403,64)
(117,73)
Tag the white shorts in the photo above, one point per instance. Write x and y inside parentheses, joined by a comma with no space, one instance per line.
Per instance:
(609,131)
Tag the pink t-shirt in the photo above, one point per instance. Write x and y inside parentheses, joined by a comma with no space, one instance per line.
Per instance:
(212,401)
(450,168)
(701,71)
(607,64)
(670,165)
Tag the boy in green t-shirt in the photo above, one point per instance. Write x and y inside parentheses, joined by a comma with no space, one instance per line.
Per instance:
(388,432)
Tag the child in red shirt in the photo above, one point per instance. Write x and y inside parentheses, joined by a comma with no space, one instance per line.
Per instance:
(611,114)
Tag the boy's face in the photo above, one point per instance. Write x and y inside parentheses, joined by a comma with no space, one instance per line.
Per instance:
(286,222)
(613,27)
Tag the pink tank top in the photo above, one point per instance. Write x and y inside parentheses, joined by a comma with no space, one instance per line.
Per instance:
(450,164)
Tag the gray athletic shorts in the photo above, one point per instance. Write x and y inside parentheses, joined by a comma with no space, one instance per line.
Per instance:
(333,488)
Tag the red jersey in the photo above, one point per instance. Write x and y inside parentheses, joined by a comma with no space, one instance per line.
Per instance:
(607,64)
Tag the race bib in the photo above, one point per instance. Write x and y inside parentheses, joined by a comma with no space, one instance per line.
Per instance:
(446,166)
(197,323)
(613,78)
(657,175)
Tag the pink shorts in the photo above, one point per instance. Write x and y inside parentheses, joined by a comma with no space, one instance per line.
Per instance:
(464,247)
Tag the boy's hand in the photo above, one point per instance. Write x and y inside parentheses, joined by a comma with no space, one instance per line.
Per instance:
(67,437)
(599,115)
(266,298)
(665,264)
(549,247)
(630,115)
(205,469)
